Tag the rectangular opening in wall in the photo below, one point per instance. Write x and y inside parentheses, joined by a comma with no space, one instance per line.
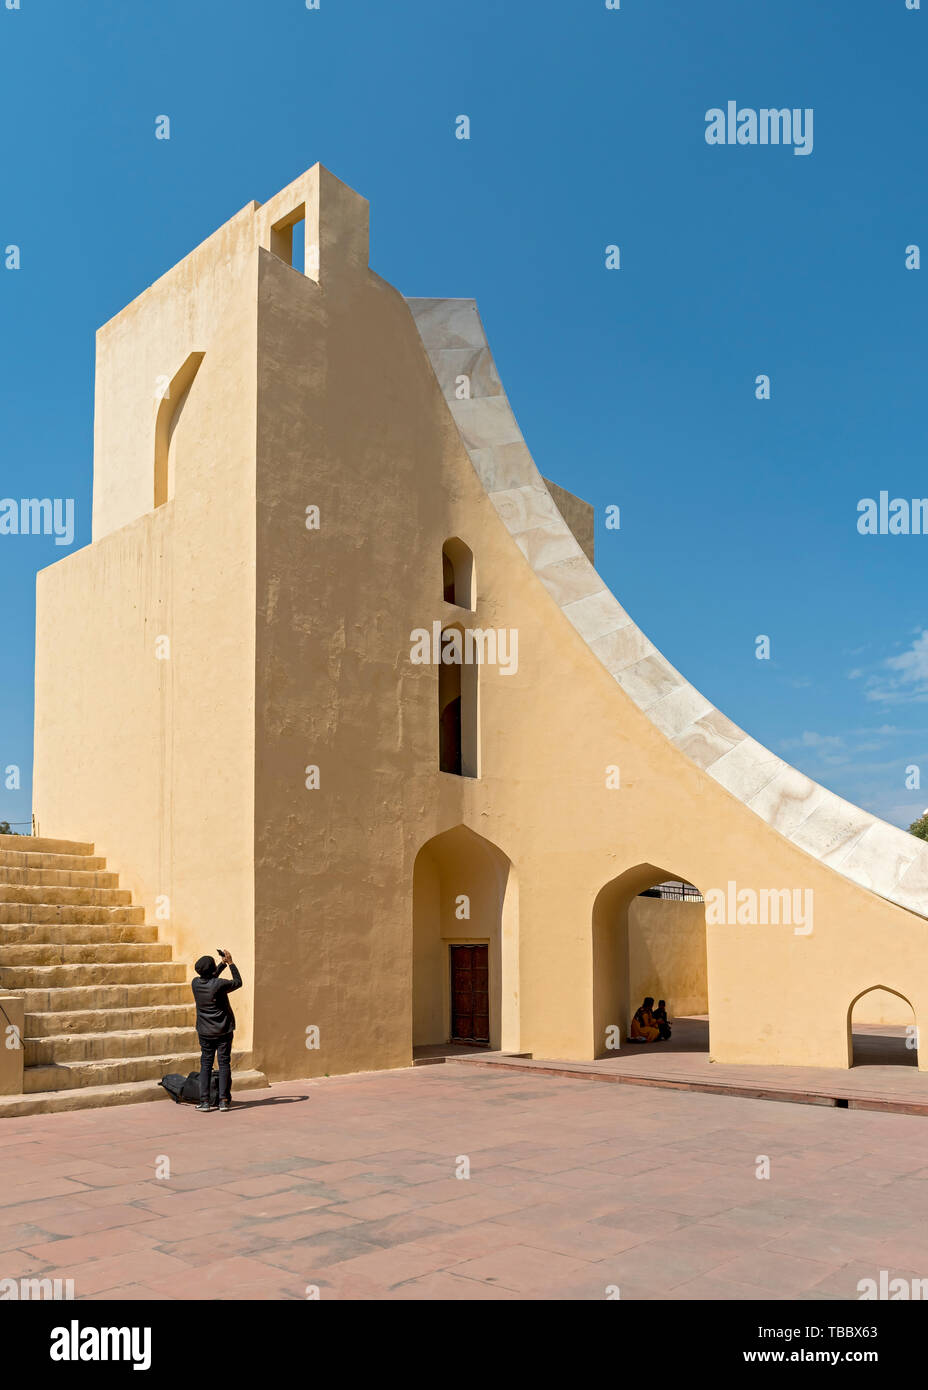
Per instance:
(288,236)
(298,246)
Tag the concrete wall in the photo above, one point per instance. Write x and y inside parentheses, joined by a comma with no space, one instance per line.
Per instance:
(667,954)
(142,348)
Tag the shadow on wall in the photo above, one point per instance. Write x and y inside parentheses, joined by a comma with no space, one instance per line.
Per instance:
(645,946)
(171,405)
(667,952)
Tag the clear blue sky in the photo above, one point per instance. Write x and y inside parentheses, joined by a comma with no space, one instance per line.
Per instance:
(633,387)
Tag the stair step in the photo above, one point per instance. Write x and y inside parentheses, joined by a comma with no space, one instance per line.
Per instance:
(38,844)
(58,878)
(118,1043)
(127,1093)
(40,1001)
(25,956)
(25,859)
(67,934)
(78,1021)
(115,1071)
(73,976)
(66,912)
(48,895)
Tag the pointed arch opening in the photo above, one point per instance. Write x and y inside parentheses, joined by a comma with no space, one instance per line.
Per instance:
(459,584)
(649,941)
(465,978)
(882,1029)
(166,421)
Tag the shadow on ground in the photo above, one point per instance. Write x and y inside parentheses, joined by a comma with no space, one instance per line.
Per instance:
(269,1100)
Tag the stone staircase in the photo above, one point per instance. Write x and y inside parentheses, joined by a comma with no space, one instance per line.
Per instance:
(108,1012)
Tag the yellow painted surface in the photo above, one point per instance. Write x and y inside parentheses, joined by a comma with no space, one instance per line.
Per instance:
(667,954)
(12,1014)
(882,1006)
(290,651)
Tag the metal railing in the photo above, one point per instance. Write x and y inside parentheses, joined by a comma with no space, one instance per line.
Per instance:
(674,891)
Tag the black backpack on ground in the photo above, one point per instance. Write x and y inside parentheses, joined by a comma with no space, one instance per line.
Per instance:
(187,1088)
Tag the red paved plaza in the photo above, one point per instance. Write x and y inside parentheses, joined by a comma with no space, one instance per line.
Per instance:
(349,1186)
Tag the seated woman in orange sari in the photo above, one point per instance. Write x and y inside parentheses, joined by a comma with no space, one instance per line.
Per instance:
(644,1027)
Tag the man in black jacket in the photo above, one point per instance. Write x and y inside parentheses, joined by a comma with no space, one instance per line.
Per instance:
(215,1025)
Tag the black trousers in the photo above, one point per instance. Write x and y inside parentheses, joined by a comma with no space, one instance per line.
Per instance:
(209,1047)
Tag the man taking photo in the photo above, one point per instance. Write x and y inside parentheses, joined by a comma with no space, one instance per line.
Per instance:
(215,1025)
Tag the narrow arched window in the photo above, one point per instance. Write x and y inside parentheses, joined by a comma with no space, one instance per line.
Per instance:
(447,574)
(457,707)
(449,719)
(458,577)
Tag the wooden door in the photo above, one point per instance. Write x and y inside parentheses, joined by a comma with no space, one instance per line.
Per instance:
(470,995)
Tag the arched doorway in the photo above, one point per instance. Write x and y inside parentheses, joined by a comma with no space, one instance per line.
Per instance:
(649,939)
(881,1029)
(465,989)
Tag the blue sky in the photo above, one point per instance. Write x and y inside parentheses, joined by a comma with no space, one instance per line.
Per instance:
(633,387)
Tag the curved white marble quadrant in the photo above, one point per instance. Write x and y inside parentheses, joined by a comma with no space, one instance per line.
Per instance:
(870,852)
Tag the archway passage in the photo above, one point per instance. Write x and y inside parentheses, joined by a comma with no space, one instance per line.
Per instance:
(649,941)
(882,1029)
(465,987)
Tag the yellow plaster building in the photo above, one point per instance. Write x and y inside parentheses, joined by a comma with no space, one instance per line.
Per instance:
(302,483)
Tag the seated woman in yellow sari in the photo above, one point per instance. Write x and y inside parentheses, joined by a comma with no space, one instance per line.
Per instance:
(644,1027)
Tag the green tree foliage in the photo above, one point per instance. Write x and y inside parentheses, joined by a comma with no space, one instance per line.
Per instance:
(920,827)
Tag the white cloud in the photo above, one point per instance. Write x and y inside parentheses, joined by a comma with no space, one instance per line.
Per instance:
(907,678)
(809,739)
